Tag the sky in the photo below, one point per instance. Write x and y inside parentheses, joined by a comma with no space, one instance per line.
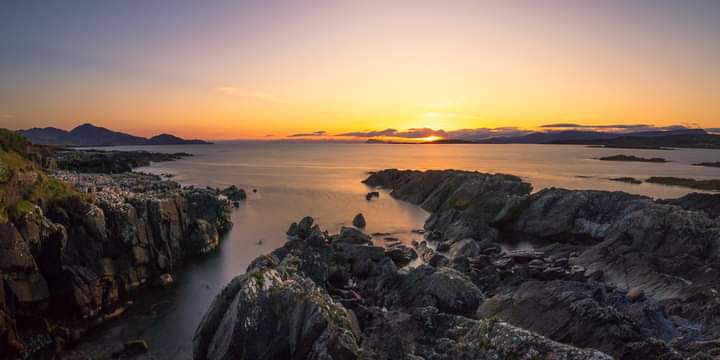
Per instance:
(274,69)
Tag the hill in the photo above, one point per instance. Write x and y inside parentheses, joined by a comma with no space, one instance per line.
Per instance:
(91,135)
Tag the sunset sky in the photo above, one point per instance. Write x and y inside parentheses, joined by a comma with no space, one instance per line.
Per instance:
(249,69)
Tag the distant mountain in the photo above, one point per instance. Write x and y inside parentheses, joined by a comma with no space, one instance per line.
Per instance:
(91,135)
(682,140)
(167,139)
(585,137)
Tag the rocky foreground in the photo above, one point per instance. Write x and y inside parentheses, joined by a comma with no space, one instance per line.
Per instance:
(71,256)
(612,273)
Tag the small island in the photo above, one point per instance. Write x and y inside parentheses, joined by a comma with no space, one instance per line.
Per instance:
(708,185)
(709,164)
(628,180)
(632,158)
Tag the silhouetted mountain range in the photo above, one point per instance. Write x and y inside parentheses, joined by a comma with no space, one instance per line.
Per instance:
(91,135)
(581,137)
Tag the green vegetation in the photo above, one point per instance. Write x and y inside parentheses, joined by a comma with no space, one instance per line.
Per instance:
(22,184)
(12,142)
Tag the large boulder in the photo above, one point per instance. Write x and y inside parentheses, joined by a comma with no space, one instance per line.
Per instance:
(350,235)
(463,204)
(574,312)
(445,288)
(274,313)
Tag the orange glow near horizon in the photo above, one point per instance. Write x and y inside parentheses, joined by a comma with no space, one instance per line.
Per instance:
(274,69)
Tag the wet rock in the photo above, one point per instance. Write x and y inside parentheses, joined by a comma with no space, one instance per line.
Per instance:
(359,221)
(401,255)
(353,236)
(233,193)
(372,195)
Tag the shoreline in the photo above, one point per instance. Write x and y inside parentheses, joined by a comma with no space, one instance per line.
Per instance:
(572,263)
(431,255)
(117,237)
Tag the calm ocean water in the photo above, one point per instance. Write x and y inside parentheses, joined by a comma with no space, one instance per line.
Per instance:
(323,181)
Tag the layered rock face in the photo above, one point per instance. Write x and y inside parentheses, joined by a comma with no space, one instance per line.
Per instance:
(326,296)
(621,273)
(462,204)
(74,263)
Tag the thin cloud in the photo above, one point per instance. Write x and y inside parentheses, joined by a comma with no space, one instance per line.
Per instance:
(316,133)
(622,128)
(461,134)
(7,116)
(370,133)
(581,126)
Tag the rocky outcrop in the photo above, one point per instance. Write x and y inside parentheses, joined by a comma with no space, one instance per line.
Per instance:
(75,262)
(234,193)
(321,298)
(707,203)
(643,271)
(462,204)
(273,312)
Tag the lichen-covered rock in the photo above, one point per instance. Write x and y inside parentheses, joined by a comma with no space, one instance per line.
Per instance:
(339,300)
(445,288)
(572,312)
(463,204)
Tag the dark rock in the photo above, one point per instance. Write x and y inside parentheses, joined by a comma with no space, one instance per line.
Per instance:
(438,260)
(133,348)
(447,289)
(353,236)
(274,313)
(572,312)
(401,255)
(371,195)
(707,203)
(465,247)
(359,221)
(233,193)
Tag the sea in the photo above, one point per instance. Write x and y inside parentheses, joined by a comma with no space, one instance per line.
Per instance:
(287,181)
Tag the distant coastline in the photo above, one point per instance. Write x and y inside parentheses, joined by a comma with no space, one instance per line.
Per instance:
(87,135)
(653,140)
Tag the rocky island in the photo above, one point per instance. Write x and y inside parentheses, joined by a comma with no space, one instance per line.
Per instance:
(74,248)
(632,158)
(707,185)
(603,274)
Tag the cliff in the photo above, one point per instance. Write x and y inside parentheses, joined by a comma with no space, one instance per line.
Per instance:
(71,259)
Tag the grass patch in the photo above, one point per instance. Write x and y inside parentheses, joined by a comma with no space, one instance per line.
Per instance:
(12,142)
